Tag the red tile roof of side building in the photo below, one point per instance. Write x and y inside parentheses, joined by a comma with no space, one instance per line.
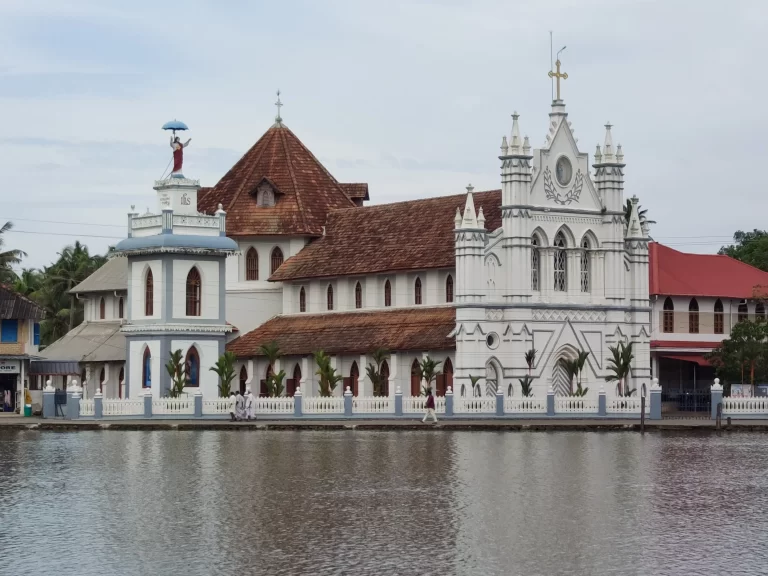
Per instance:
(674,273)
(305,190)
(413,235)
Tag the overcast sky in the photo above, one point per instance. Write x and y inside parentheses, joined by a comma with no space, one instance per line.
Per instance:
(411,96)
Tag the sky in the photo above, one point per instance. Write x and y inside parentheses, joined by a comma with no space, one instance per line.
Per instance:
(411,96)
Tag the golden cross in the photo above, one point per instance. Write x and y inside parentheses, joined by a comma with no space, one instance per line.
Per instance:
(558,75)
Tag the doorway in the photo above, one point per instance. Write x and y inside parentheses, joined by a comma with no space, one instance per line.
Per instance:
(8,383)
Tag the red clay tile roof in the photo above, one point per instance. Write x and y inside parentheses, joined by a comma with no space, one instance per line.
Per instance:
(307,191)
(674,273)
(353,332)
(356,190)
(412,235)
(14,306)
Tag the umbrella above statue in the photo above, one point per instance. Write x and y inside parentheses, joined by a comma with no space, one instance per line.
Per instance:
(177,146)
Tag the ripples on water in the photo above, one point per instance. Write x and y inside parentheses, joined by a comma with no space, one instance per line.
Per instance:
(373,503)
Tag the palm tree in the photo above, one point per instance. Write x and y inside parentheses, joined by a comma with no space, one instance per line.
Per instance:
(373,370)
(28,282)
(275,385)
(74,265)
(619,363)
(530,359)
(571,368)
(225,369)
(526,385)
(272,351)
(327,373)
(178,373)
(474,380)
(581,360)
(428,372)
(8,257)
(640,213)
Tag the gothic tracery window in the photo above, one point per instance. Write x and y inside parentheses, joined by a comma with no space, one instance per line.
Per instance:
(585,284)
(252,264)
(668,322)
(276,260)
(560,264)
(193,292)
(449,289)
(535,263)
(358,295)
(693,317)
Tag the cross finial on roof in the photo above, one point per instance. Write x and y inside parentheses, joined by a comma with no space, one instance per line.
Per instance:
(279,105)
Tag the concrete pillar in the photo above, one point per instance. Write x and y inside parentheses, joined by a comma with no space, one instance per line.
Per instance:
(73,402)
(398,402)
(449,402)
(499,400)
(49,400)
(198,403)
(348,403)
(393,373)
(601,403)
(551,402)
(655,399)
(364,386)
(147,403)
(98,405)
(297,401)
(717,396)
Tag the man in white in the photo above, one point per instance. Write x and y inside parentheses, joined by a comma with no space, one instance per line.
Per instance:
(250,405)
(239,406)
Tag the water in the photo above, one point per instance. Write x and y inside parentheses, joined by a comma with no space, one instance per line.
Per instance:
(374,503)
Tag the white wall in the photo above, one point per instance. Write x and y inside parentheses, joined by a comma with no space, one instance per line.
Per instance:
(209,354)
(91,307)
(136,357)
(209,282)
(249,310)
(137,275)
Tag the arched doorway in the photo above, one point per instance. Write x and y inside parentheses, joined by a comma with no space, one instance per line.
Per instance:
(263,390)
(445,379)
(102,377)
(120,382)
(354,377)
(295,382)
(561,383)
(492,378)
(384,387)
(243,379)
(415,378)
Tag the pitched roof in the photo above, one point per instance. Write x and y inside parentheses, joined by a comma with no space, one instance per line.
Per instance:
(356,190)
(113,275)
(14,306)
(89,342)
(418,328)
(306,191)
(674,273)
(413,235)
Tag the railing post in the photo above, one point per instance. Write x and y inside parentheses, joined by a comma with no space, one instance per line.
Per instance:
(73,402)
(717,397)
(297,403)
(655,400)
(98,406)
(348,403)
(602,405)
(499,401)
(147,403)
(398,402)
(198,403)
(49,400)
(449,402)
(551,402)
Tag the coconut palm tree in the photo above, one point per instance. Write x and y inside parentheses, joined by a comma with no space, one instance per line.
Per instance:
(8,257)
(571,367)
(581,360)
(272,352)
(619,364)
(640,213)
(327,373)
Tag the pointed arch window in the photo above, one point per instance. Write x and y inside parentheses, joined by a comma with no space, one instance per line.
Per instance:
(146,369)
(743,312)
(668,317)
(193,292)
(693,317)
(384,386)
(276,261)
(417,291)
(560,263)
(192,364)
(102,309)
(719,317)
(358,295)
(252,264)
(149,294)
(243,379)
(302,300)
(585,283)
(535,263)
(449,289)
(120,381)
(354,377)
(120,309)
(296,383)
(387,293)
(102,377)
(329,294)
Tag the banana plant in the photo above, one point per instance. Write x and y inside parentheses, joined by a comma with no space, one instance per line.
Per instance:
(329,379)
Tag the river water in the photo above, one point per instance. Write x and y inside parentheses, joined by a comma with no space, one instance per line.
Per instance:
(374,503)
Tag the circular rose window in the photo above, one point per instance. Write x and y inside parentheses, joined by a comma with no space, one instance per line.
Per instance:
(563,171)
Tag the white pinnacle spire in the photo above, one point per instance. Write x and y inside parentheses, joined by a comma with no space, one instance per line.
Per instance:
(619,154)
(470,220)
(504,146)
(457,219)
(526,147)
(608,152)
(481,218)
(515,142)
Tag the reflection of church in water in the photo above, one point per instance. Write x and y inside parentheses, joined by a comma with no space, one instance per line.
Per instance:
(547,263)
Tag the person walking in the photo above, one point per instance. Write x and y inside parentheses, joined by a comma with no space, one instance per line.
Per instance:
(239,406)
(250,405)
(233,406)
(430,407)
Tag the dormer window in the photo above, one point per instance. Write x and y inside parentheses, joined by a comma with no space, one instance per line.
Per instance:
(266,193)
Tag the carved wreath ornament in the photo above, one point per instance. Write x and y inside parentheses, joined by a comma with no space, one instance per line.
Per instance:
(572,195)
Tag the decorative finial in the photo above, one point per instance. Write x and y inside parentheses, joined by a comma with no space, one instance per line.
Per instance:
(279,105)
(558,75)
(133,207)
(470,188)
(526,146)
(619,154)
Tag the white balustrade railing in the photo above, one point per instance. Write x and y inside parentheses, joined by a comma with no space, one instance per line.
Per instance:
(122,407)
(173,405)
(475,405)
(219,406)
(322,405)
(440,404)
(525,405)
(732,406)
(373,405)
(276,405)
(418,404)
(86,407)
(571,405)
(627,405)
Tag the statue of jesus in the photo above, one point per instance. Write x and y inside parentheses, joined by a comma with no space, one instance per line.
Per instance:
(178,153)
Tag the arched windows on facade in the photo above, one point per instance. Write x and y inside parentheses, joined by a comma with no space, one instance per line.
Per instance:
(120,380)
(252,264)
(149,295)
(449,288)
(146,369)
(743,312)
(693,317)
(585,255)
(102,309)
(358,296)
(276,260)
(759,311)
(387,293)
(193,292)
(192,364)
(102,377)
(560,266)
(329,297)
(384,385)
(417,291)
(668,316)
(447,377)
(120,309)
(535,262)
(302,300)
(415,378)
(243,379)
(719,317)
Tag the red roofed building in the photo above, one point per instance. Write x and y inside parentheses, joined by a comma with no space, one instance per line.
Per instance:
(696,299)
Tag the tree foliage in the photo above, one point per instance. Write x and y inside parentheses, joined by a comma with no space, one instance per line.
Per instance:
(329,379)
(275,384)
(530,359)
(526,385)
(178,372)
(225,369)
(749,247)
(373,370)
(743,357)
(428,371)
(619,363)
